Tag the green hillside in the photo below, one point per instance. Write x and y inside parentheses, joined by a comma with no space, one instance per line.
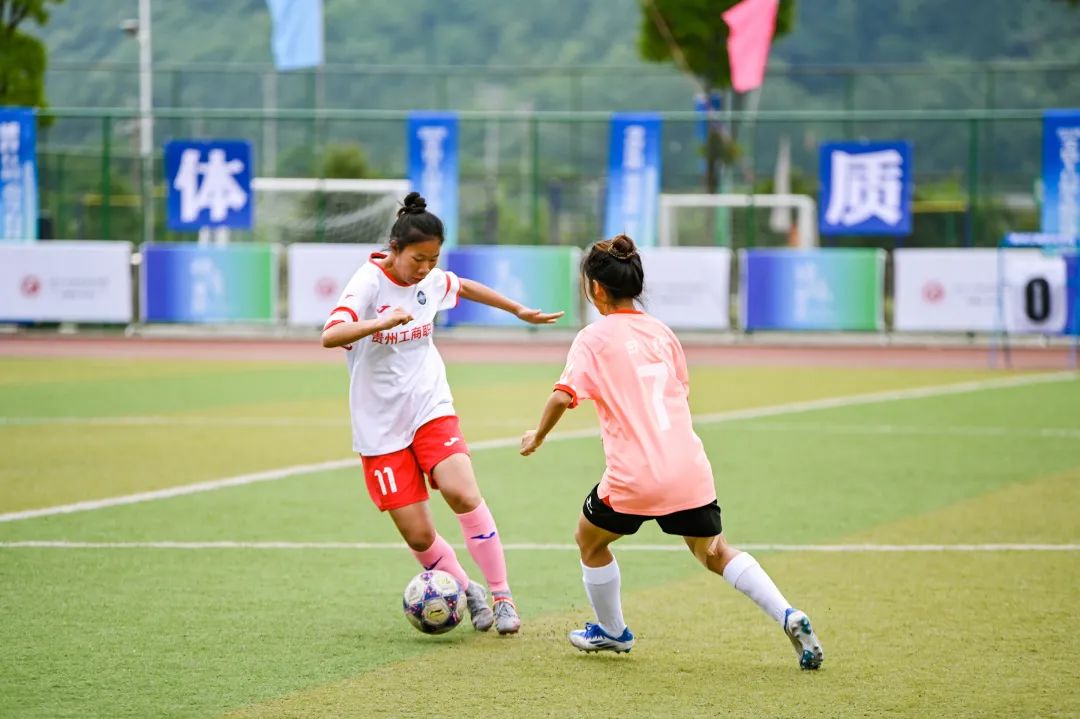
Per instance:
(495,34)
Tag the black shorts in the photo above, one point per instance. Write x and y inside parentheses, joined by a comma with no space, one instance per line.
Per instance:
(701,521)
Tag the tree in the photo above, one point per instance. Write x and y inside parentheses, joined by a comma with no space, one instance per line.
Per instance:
(22,56)
(346,161)
(693,35)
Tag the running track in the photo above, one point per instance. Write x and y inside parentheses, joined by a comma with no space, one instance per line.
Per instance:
(531,348)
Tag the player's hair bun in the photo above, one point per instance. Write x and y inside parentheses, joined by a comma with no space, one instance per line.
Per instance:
(414,223)
(622,247)
(413,204)
(616,265)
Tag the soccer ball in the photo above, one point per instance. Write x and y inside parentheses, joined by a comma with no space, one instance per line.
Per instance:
(432,602)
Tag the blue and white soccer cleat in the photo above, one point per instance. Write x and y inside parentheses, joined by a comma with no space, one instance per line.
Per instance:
(593,638)
(797,627)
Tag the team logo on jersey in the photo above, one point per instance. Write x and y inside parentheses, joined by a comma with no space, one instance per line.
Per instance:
(421,297)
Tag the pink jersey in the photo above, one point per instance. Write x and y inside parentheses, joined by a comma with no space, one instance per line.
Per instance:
(633,367)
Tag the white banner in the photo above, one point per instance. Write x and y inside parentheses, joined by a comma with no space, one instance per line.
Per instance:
(687,288)
(945,290)
(66,282)
(956,290)
(316,275)
(1034,292)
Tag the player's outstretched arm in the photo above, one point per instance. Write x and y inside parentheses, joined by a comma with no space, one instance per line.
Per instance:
(473,290)
(339,334)
(553,412)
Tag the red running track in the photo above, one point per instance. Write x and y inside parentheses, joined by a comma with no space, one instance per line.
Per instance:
(533,350)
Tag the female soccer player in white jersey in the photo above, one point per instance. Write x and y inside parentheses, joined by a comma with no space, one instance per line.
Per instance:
(633,367)
(403,421)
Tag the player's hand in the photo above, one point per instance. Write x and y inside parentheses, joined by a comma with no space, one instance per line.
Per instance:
(538,317)
(396,317)
(716,546)
(530,443)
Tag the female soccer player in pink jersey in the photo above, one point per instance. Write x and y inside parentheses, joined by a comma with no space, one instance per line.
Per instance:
(633,367)
(403,421)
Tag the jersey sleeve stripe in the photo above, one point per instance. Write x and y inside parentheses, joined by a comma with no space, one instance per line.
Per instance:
(570,391)
(352,313)
(331,323)
(450,277)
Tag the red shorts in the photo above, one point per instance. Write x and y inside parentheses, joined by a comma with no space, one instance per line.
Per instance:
(396,480)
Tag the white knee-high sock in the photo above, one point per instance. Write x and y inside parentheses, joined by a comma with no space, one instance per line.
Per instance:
(602,586)
(745,574)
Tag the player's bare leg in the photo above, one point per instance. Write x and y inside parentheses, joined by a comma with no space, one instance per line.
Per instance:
(416,527)
(744,573)
(457,481)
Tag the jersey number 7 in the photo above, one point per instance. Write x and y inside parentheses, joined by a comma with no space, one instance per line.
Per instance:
(657,373)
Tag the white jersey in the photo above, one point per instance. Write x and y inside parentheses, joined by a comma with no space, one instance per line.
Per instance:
(397,380)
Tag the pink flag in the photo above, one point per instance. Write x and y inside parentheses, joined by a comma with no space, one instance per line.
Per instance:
(751,23)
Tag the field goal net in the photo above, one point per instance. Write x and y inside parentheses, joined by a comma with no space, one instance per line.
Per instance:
(737,220)
(307,209)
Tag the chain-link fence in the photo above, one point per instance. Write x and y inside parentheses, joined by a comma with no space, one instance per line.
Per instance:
(942,85)
(538,177)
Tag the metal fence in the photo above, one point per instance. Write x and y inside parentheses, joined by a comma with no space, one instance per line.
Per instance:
(539,176)
(941,85)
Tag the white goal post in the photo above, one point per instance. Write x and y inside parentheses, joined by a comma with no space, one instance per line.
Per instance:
(306,209)
(805,209)
(317,184)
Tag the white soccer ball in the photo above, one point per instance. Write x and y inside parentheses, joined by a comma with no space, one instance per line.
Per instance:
(432,602)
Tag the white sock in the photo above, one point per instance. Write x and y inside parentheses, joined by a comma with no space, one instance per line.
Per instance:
(602,586)
(745,574)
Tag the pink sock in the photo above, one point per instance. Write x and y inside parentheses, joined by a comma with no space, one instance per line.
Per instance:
(484,545)
(440,555)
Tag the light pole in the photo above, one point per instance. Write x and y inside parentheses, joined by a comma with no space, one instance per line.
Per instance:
(141,30)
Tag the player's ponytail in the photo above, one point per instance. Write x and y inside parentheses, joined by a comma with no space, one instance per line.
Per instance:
(616,265)
(414,223)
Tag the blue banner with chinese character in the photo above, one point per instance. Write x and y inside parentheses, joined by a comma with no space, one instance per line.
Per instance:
(208,184)
(433,166)
(18,175)
(866,188)
(633,191)
(1061,172)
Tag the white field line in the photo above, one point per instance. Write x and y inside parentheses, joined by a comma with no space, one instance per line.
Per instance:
(713,418)
(396,546)
(178,421)
(728,416)
(874,429)
(899,429)
(886,396)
